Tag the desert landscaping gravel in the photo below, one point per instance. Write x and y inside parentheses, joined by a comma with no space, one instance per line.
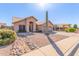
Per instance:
(30,42)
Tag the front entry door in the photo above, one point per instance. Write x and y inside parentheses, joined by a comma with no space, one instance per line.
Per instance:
(31,26)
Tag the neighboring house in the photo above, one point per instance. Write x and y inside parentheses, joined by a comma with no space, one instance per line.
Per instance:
(61,27)
(30,24)
(9,27)
(2,25)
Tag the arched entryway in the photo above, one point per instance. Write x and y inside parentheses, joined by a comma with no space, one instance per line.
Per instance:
(30,26)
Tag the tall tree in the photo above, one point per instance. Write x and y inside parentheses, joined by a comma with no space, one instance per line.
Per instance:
(75,26)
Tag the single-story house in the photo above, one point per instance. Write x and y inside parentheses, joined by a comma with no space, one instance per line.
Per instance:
(61,27)
(30,24)
(41,26)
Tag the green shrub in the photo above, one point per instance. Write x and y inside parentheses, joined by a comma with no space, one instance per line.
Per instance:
(21,31)
(7,36)
(67,30)
(70,30)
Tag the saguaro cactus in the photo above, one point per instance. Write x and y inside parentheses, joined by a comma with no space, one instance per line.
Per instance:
(46,22)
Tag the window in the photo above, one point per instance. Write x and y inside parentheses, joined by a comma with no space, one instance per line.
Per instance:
(22,28)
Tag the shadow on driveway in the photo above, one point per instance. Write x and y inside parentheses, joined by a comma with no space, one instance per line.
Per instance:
(55,46)
(72,53)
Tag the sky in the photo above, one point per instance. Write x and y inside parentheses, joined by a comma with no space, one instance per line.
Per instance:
(57,13)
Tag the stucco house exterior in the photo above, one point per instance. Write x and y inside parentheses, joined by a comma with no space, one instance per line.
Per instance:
(2,25)
(41,26)
(29,24)
(61,27)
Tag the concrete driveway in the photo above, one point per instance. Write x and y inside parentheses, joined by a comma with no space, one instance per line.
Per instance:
(64,45)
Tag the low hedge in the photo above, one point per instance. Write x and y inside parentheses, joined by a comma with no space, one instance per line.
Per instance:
(70,30)
(7,36)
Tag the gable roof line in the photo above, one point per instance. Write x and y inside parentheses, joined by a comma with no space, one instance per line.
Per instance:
(25,19)
(44,22)
(49,22)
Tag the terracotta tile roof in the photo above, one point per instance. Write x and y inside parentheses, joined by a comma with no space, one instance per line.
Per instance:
(42,22)
(17,19)
(39,22)
(2,23)
(61,25)
(30,17)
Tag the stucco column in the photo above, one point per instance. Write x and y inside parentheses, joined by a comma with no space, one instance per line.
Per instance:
(27,26)
(34,27)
